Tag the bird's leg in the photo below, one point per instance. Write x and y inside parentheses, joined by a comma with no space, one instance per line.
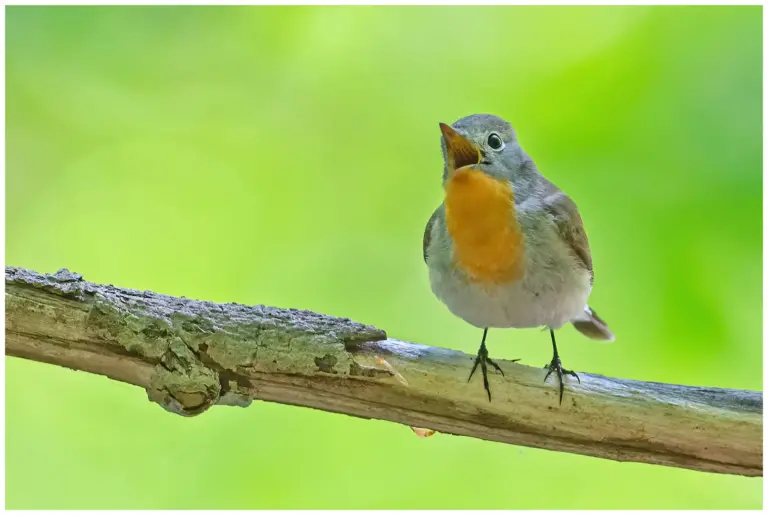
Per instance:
(482,359)
(556,366)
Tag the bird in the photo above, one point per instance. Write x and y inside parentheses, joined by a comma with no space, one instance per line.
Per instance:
(507,248)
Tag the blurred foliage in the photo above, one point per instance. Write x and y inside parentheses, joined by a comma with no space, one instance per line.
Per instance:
(290,156)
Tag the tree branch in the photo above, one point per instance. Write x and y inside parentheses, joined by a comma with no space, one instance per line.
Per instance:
(190,355)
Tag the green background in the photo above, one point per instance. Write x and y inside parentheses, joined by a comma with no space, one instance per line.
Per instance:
(290,156)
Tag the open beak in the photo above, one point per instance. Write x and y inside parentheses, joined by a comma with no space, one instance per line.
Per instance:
(461,152)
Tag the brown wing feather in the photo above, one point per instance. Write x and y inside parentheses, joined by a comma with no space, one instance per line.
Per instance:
(569,224)
(428,233)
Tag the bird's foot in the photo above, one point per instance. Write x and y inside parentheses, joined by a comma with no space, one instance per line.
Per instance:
(483,360)
(556,366)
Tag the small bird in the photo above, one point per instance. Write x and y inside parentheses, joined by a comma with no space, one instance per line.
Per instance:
(507,248)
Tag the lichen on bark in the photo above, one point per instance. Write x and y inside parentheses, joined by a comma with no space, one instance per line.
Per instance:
(198,347)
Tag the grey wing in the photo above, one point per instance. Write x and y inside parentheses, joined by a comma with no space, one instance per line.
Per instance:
(570,227)
(428,233)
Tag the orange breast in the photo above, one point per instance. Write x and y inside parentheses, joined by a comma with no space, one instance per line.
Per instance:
(488,242)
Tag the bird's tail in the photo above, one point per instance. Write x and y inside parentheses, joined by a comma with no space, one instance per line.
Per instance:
(591,325)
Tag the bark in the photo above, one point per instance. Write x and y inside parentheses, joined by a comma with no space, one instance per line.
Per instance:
(190,355)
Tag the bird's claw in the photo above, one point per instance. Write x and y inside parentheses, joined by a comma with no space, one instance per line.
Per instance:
(556,366)
(483,360)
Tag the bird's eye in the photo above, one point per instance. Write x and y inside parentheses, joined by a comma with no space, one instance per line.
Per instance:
(495,142)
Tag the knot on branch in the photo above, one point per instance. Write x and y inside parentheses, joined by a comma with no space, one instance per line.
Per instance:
(181,383)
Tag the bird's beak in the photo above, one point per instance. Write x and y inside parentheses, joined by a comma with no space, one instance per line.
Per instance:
(461,152)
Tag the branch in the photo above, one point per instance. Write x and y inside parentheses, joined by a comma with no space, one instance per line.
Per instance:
(190,355)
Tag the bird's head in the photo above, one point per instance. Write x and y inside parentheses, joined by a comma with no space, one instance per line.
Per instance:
(483,142)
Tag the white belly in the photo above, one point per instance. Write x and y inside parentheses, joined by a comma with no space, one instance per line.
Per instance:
(539,299)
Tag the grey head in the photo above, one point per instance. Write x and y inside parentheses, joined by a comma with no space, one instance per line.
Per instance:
(500,153)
